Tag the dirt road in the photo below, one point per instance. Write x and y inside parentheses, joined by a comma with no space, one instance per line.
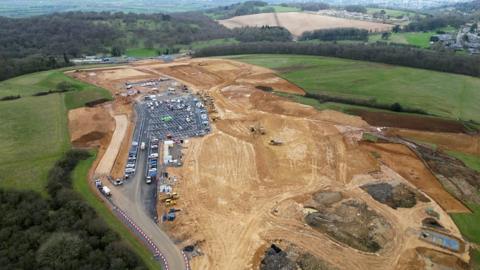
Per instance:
(108,159)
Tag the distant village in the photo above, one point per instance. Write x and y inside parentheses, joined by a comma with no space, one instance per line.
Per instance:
(467,38)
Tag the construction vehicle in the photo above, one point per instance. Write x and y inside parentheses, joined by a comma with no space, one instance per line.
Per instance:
(169,196)
(257,129)
(170,202)
(275,142)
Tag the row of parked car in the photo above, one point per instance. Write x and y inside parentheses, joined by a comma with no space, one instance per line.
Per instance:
(132,160)
(152,162)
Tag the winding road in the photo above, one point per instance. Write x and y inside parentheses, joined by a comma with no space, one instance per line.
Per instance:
(135,198)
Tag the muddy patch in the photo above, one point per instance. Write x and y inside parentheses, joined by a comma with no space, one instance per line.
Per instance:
(426,123)
(351,222)
(456,178)
(292,258)
(395,196)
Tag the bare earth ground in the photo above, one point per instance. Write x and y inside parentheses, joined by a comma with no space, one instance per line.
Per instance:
(445,141)
(90,126)
(239,193)
(106,164)
(299,22)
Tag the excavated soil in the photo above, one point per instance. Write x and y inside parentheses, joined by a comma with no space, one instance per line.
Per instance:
(402,160)
(458,179)
(90,127)
(291,258)
(393,196)
(239,194)
(353,223)
(384,119)
(424,258)
(444,141)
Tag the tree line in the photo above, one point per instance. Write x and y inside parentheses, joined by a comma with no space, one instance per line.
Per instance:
(382,53)
(240,9)
(336,34)
(429,22)
(61,232)
(264,33)
(49,41)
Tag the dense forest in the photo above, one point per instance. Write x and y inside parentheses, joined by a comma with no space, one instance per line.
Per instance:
(49,41)
(429,23)
(239,9)
(381,53)
(336,34)
(61,232)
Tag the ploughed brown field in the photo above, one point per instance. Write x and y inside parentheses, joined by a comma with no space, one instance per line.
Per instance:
(299,22)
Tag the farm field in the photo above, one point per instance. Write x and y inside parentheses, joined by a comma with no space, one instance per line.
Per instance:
(299,22)
(441,94)
(141,52)
(34,129)
(420,39)
(392,12)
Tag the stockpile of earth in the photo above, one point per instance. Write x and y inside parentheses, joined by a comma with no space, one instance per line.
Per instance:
(398,196)
(349,221)
(292,259)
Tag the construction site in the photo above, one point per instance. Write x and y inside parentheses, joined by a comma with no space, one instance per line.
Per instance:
(246,179)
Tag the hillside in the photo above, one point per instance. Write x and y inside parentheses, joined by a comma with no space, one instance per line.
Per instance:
(61,36)
(446,95)
(298,22)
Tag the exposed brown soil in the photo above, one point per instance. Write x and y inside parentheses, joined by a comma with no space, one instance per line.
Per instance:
(385,119)
(423,258)
(239,194)
(90,127)
(351,222)
(286,256)
(398,196)
(401,159)
(443,140)
(457,178)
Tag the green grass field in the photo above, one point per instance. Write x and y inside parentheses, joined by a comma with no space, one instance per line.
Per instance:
(420,39)
(141,52)
(34,135)
(442,94)
(279,9)
(34,129)
(80,184)
(468,223)
(392,12)
(471,161)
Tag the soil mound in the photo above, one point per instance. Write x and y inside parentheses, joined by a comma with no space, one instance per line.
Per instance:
(292,258)
(394,196)
(432,223)
(89,126)
(353,223)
